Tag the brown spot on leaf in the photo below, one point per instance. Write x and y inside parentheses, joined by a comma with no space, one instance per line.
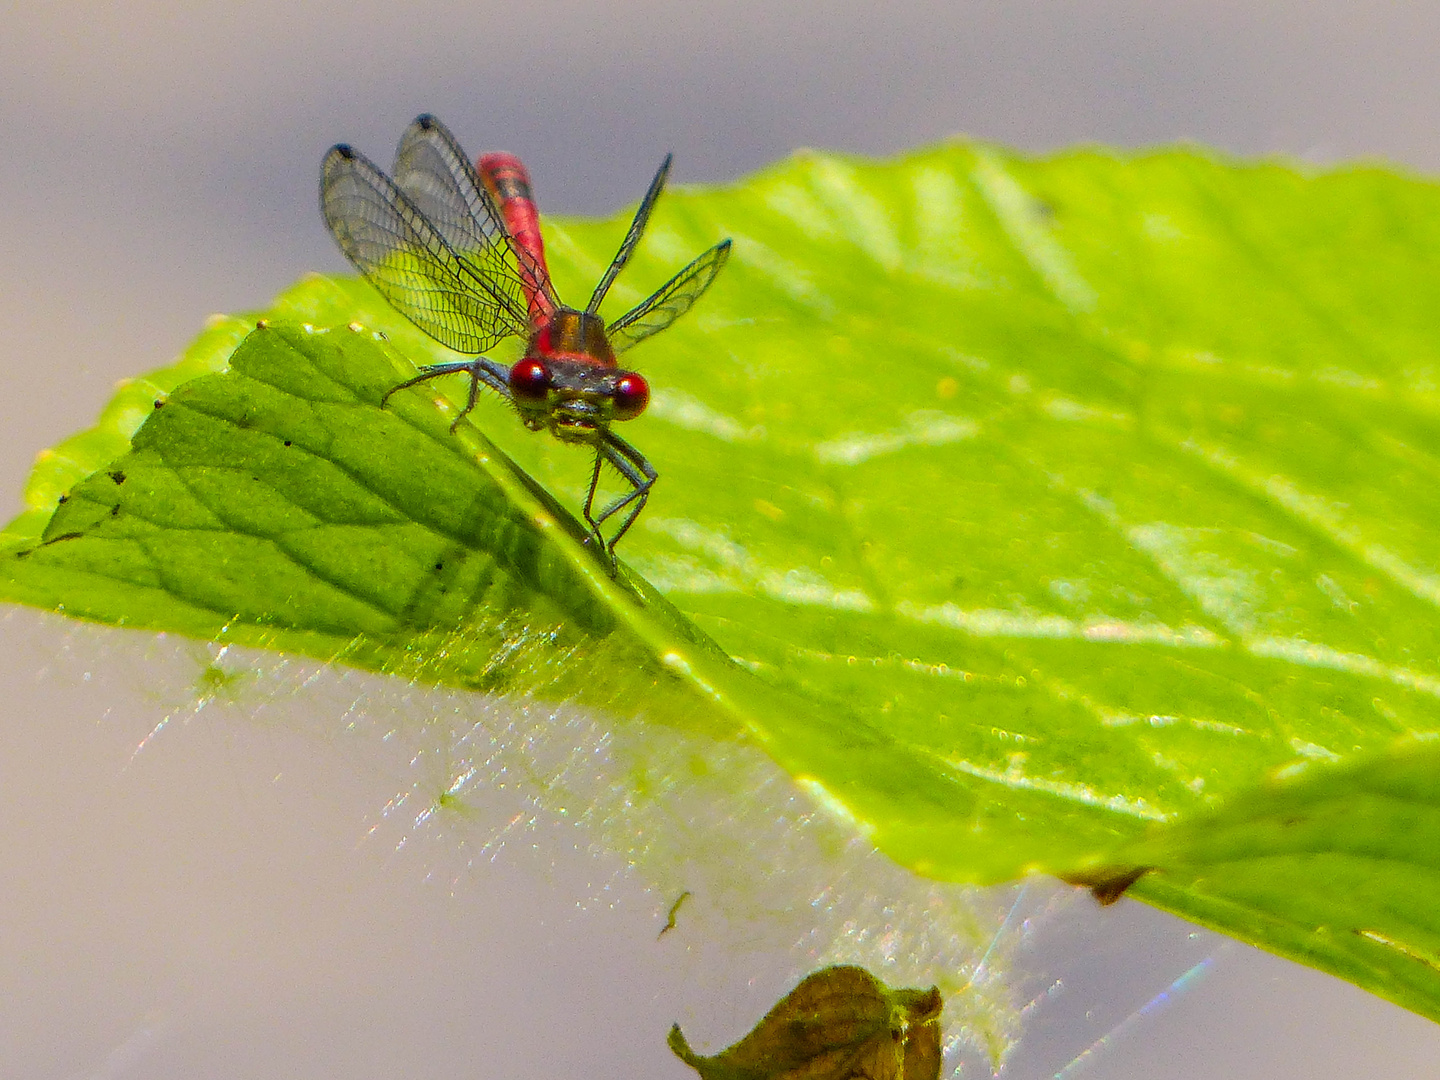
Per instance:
(1108,883)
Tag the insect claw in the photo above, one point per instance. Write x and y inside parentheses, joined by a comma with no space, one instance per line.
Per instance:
(607,551)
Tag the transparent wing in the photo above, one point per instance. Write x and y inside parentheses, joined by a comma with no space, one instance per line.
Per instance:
(434,172)
(460,303)
(632,238)
(671,301)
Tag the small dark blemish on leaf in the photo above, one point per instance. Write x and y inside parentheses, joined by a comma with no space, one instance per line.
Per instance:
(439,566)
(287,442)
(63,499)
(492,680)
(159,403)
(1107,884)
(115,511)
(118,477)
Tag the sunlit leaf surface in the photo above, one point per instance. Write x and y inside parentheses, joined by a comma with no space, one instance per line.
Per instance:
(1072,514)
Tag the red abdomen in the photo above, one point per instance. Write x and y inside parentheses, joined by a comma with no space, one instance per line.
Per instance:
(508,183)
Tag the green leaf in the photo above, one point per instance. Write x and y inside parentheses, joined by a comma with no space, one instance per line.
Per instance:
(1068,514)
(1338,868)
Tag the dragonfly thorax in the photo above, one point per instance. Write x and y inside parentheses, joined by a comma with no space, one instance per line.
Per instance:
(573,335)
(568,382)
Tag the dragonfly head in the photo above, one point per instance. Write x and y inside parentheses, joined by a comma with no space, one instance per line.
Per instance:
(576,400)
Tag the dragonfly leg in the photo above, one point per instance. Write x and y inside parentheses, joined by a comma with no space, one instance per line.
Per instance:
(480,371)
(590,499)
(634,467)
(470,399)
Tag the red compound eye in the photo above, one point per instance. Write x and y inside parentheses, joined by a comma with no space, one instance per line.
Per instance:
(529,381)
(630,397)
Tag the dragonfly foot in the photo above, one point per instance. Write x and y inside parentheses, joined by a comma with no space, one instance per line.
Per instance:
(607,551)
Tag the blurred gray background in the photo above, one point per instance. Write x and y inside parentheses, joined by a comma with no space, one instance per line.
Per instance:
(158,162)
(158,159)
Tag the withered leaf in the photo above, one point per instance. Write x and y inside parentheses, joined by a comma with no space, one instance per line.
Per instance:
(839,1023)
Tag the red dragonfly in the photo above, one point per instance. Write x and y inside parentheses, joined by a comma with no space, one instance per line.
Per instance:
(458,251)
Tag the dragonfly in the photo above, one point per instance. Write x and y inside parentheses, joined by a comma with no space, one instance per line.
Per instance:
(457,249)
